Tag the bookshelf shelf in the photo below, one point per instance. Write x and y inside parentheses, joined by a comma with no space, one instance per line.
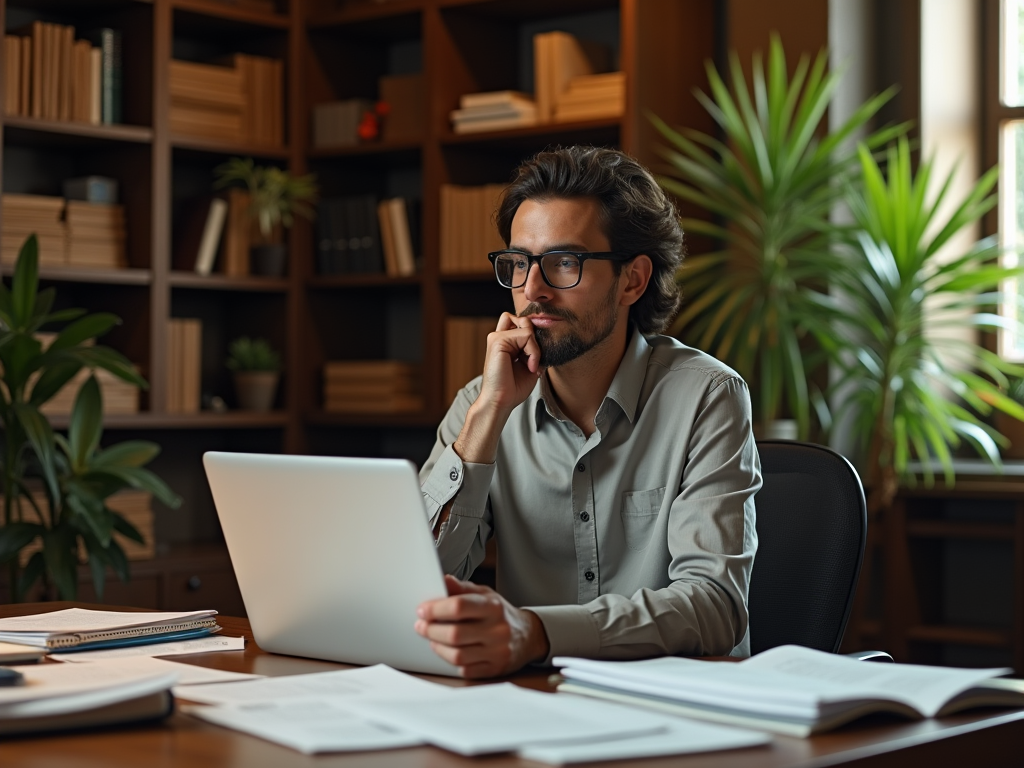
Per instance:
(410,150)
(34,131)
(372,280)
(605,131)
(195,144)
(202,420)
(521,10)
(223,11)
(330,419)
(394,13)
(225,283)
(90,275)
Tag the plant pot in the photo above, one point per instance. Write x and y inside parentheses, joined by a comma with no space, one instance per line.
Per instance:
(1013,430)
(780,429)
(256,389)
(268,260)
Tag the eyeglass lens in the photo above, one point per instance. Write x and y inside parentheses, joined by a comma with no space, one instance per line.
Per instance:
(562,270)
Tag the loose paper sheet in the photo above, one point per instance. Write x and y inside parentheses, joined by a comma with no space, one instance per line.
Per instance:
(180,648)
(187,674)
(503,717)
(681,737)
(308,726)
(348,684)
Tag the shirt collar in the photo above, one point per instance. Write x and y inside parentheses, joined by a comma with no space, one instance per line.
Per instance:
(624,389)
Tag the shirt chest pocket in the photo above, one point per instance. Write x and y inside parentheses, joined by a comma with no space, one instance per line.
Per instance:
(639,513)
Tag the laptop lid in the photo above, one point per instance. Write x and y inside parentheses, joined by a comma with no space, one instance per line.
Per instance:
(332,555)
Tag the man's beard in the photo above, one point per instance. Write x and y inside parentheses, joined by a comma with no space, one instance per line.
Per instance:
(578,338)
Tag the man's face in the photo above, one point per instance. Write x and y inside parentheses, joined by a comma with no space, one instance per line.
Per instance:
(568,322)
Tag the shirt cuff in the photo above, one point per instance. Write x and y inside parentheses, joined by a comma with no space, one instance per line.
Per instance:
(451,476)
(571,630)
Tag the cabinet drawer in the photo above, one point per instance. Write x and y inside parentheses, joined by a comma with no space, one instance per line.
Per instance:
(199,589)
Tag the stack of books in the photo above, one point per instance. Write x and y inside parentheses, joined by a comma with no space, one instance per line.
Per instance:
(593,97)
(184,365)
(210,226)
(96,235)
(336,123)
(465,346)
(50,75)
(493,112)
(38,214)
(558,57)
(135,506)
(468,233)
(372,386)
(357,234)
(243,99)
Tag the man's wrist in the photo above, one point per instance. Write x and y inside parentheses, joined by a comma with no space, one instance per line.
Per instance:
(478,441)
(538,645)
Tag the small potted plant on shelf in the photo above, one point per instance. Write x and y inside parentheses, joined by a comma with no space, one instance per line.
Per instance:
(275,198)
(69,520)
(257,369)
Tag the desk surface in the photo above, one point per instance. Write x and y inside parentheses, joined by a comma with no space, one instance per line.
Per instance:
(983,738)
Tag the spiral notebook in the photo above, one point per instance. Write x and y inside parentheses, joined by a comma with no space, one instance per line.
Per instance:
(80,628)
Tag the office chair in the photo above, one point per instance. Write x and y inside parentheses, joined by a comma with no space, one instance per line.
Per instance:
(811,530)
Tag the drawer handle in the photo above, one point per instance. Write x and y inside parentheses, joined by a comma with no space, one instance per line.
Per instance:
(193,583)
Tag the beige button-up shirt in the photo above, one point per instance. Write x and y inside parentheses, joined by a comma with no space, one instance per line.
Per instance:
(636,541)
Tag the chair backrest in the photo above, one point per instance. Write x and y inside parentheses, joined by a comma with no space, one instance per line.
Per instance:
(811,530)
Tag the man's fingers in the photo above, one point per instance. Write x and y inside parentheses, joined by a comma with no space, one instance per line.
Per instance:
(459,608)
(458,587)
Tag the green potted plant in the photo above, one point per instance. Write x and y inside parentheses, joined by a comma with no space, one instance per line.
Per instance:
(275,198)
(257,369)
(77,475)
(771,183)
(915,393)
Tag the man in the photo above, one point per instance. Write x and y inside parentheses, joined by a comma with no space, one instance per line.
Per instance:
(615,467)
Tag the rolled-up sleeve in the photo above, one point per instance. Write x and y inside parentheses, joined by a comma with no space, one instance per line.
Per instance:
(711,540)
(446,477)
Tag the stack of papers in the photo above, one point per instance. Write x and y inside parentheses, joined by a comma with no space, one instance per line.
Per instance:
(381,708)
(81,629)
(792,690)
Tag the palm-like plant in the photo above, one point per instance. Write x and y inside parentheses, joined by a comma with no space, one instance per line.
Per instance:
(915,392)
(771,183)
(275,196)
(77,475)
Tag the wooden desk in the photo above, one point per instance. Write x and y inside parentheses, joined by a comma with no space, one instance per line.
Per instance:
(984,738)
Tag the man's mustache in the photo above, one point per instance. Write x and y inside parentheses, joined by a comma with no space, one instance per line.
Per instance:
(544,309)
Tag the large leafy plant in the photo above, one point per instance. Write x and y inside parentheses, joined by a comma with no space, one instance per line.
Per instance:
(914,390)
(771,183)
(77,476)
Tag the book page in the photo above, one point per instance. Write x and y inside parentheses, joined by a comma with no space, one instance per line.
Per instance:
(83,620)
(924,688)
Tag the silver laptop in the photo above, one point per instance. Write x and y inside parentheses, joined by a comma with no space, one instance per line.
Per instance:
(332,555)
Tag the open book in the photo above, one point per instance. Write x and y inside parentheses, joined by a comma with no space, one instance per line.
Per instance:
(790,690)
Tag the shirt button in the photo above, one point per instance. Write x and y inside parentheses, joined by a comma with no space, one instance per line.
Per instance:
(589,575)
(584,516)
(454,474)
(580,467)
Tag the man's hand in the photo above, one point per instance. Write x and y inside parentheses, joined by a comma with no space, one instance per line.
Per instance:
(480,632)
(511,369)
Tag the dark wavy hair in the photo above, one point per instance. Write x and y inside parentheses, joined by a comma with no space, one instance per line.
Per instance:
(636,216)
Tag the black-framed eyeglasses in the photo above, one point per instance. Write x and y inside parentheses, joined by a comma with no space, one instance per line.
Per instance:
(560,269)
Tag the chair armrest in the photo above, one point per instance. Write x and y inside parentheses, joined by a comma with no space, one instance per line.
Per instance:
(870,656)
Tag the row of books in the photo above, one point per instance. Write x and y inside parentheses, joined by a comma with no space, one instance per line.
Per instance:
(214,231)
(372,386)
(135,506)
(241,98)
(359,234)
(465,345)
(571,82)
(50,75)
(468,233)
(69,232)
(184,365)
(336,123)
